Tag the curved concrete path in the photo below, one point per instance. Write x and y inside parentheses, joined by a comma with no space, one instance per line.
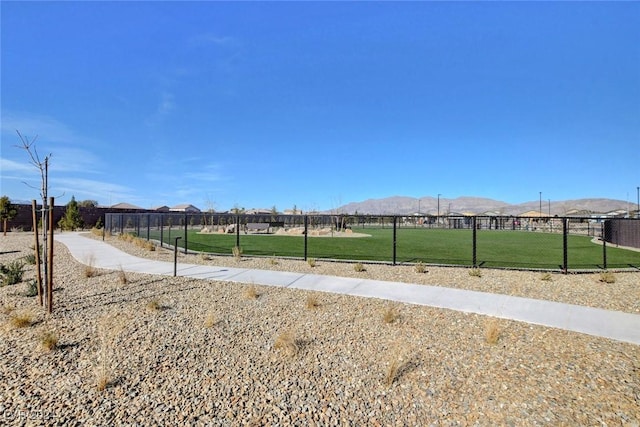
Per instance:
(593,321)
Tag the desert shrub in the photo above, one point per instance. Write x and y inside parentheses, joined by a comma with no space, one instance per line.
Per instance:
(400,361)
(89,269)
(546,277)
(420,267)
(251,292)
(237,252)
(287,343)
(475,272)
(49,340)
(607,277)
(122,277)
(32,290)
(492,331)
(358,267)
(30,259)
(390,314)
(11,273)
(311,262)
(154,305)
(312,302)
(210,320)
(22,319)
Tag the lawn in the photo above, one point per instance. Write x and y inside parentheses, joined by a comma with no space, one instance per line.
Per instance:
(518,249)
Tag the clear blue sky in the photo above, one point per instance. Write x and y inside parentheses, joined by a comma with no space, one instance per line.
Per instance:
(317,104)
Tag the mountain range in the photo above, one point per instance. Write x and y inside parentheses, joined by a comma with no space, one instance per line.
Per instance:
(402,205)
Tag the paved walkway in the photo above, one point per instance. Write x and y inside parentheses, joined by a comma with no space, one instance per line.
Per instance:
(593,321)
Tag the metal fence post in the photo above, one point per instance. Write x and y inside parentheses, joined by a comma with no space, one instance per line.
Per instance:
(604,246)
(185,232)
(238,231)
(395,235)
(175,257)
(565,250)
(306,233)
(474,243)
(161,230)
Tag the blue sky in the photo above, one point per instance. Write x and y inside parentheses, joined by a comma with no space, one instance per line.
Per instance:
(317,104)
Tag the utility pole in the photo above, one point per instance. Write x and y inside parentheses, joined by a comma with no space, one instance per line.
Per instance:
(540,209)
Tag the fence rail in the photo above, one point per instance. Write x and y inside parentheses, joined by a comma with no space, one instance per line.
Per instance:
(547,243)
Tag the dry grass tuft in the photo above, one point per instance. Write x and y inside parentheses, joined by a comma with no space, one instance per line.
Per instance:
(287,343)
(420,267)
(122,277)
(154,305)
(210,320)
(311,262)
(102,381)
(390,314)
(358,267)
(399,363)
(108,330)
(312,302)
(22,319)
(89,269)
(475,272)
(492,331)
(251,292)
(49,340)
(546,277)
(273,261)
(7,308)
(237,252)
(607,277)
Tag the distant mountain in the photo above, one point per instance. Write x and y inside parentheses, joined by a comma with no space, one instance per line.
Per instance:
(402,205)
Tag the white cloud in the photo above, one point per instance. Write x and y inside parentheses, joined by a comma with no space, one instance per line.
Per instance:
(92,189)
(7,165)
(32,126)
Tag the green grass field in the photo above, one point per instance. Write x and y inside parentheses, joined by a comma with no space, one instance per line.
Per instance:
(514,249)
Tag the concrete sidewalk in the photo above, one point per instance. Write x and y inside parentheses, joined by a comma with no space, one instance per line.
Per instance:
(593,321)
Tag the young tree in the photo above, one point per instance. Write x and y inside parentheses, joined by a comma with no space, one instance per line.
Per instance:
(88,204)
(7,212)
(47,246)
(72,218)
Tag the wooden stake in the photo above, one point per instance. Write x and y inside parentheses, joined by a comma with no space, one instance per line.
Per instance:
(50,255)
(34,207)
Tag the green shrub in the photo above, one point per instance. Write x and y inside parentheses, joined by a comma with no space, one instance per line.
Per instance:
(33,288)
(30,259)
(12,273)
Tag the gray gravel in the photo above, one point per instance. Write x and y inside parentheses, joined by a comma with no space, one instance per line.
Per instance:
(207,356)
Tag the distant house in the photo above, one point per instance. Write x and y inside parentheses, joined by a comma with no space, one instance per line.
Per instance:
(580,212)
(185,208)
(534,214)
(128,206)
(259,212)
(163,208)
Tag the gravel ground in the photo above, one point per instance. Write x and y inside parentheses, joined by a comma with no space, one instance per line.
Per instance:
(179,351)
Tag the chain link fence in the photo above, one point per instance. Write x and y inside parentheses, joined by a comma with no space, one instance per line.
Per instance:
(545,243)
